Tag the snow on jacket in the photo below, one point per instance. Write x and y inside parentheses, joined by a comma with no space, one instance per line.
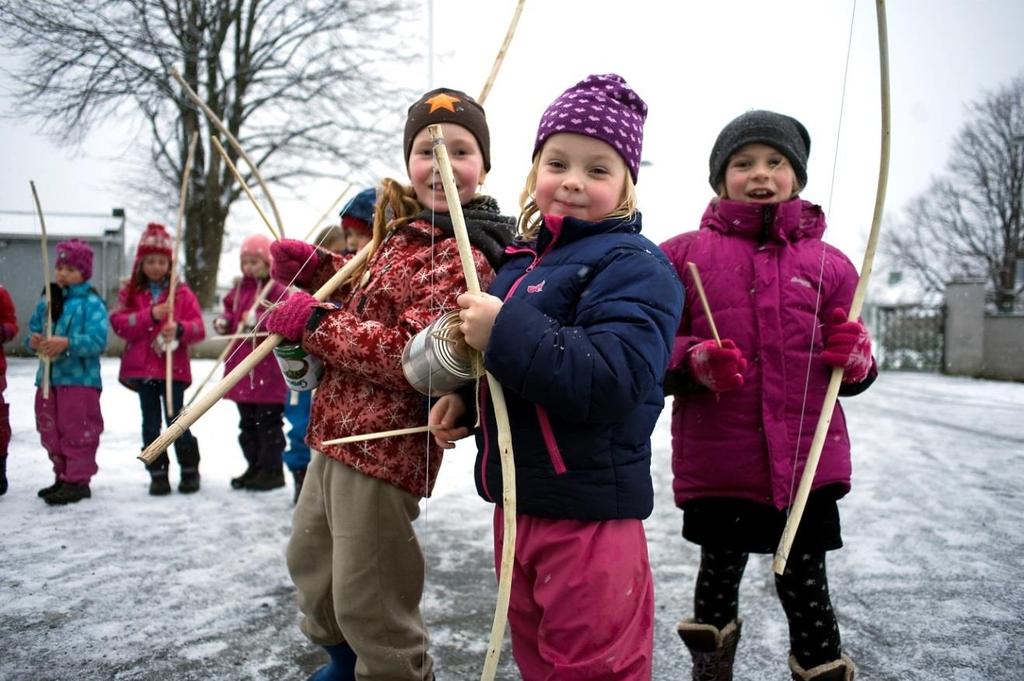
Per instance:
(133,322)
(243,309)
(83,322)
(8,330)
(761,266)
(580,347)
(363,389)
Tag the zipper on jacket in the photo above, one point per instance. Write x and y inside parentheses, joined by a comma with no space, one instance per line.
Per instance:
(549,440)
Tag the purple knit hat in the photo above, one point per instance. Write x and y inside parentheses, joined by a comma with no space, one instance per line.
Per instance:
(76,253)
(603,107)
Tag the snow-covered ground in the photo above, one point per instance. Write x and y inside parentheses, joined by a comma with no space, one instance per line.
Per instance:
(930,584)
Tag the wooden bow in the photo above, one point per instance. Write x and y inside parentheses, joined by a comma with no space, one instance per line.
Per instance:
(48,323)
(508,470)
(832,393)
(183,196)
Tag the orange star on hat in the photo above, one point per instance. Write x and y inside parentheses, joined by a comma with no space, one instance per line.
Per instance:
(442,101)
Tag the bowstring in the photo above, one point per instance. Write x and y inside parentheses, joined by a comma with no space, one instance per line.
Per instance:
(821,263)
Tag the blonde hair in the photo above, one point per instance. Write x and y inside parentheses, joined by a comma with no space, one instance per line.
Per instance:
(530,218)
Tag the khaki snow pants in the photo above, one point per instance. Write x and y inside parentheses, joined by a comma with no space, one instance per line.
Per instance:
(358,567)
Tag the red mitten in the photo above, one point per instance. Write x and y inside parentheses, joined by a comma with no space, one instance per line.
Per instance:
(289,318)
(293,262)
(848,346)
(719,368)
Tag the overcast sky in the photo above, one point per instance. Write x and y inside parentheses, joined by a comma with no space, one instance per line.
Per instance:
(697,65)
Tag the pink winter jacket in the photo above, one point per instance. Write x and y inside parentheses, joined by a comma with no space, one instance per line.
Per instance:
(763,294)
(265,383)
(133,322)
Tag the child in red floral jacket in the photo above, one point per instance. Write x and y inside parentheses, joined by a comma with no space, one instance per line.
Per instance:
(142,319)
(353,553)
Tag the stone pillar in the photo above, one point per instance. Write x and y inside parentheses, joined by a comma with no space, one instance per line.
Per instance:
(965,328)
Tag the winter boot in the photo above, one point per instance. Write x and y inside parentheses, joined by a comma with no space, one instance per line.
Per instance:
(266,480)
(300,476)
(712,649)
(3,479)
(244,478)
(159,485)
(47,491)
(342,666)
(68,493)
(836,670)
(189,482)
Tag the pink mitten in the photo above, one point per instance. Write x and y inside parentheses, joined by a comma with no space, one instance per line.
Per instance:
(293,262)
(719,368)
(848,346)
(289,318)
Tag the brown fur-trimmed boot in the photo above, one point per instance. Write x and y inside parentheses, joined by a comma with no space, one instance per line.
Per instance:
(713,649)
(836,670)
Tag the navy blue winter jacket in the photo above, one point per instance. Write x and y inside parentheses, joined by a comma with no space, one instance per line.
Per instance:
(580,347)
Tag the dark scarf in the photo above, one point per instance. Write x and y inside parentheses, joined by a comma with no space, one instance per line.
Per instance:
(489,231)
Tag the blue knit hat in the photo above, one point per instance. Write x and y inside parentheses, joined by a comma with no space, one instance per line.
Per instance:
(358,212)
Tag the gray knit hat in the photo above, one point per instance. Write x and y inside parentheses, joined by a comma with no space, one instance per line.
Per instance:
(778,131)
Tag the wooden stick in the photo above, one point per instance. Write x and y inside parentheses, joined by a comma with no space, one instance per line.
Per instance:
(501,53)
(231,336)
(508,468)
(327,212)
(382,434)
(695,273)
(172,284)
(226,352)
(217,123)
(48,323)
(832,393)
(189,416)
(245,187)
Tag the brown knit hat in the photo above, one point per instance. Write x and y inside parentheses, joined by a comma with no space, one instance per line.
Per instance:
(445,105)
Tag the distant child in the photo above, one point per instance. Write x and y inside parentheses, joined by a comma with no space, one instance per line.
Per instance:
(69,419)
(357,219)
(348,237)
(261,395)
(8,330)
(578,329)
(141,319)
(353,552)
(741,426)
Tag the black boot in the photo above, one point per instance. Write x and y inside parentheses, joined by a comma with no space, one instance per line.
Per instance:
(241,480)
(68,493)
(300,477)
(47,491)
(266,480)
(189,482)
(713,649)
(159,485)
(3,476)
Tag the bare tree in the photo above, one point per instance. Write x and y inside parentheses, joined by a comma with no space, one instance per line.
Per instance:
(298,82)
(969,222)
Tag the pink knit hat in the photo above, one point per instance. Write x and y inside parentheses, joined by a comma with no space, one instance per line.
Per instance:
(76,253)
(257,245)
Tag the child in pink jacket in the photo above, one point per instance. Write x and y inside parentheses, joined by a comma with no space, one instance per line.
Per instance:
(142,319)
(745,409)
(261,395)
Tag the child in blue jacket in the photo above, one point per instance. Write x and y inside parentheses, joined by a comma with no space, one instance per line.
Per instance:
(68,418)
(578,328)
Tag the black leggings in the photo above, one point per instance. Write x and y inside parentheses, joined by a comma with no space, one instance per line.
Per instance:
(803,592)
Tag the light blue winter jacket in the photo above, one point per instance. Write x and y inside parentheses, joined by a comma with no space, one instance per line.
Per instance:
(84,323)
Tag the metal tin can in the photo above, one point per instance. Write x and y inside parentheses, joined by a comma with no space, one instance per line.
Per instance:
(302,371)
(434,361)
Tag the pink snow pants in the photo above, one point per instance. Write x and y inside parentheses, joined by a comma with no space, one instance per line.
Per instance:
(69,425)
(582,604)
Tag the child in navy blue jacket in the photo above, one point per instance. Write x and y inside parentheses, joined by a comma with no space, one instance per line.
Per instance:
(578,328)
